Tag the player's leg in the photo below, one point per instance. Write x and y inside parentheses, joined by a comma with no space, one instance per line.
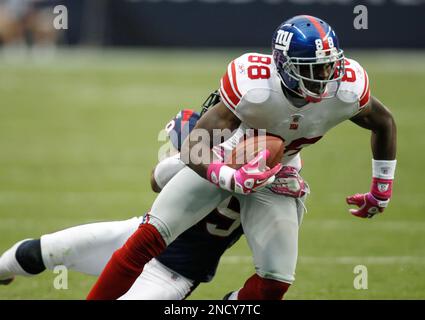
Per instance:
(157,282)
(185,200)
(271,225)
(9,265)
(86,248)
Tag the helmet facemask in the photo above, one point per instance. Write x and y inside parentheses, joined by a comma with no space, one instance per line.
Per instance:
(317,77)
(313,78)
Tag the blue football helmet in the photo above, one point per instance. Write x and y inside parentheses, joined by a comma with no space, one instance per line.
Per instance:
(181,126)
(308,57)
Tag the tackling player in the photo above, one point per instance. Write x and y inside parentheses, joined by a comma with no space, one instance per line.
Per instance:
(192,258)
(301,91)
(172,275)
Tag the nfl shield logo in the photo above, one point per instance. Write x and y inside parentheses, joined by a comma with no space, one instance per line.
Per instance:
(146,218)
(383,187)
(295,121)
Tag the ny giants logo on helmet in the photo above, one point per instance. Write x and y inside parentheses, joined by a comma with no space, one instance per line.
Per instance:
(283,40)
(308,58)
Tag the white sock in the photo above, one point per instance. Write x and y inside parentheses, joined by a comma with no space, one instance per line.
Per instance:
(9,266)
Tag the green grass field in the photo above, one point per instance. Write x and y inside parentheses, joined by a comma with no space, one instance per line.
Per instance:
(78,138)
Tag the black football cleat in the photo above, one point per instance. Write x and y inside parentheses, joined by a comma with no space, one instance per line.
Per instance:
(5,282)
(227,296)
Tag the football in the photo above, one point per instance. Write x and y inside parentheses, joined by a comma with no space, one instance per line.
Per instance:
(247,149)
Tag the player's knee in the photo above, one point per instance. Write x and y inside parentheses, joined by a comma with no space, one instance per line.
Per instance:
(160,226)
(29,256)
(145,243)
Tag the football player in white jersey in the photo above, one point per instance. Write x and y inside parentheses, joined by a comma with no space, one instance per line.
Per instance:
(305,88)
(191,259)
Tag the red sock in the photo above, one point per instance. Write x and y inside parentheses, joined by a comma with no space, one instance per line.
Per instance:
(257,288)
(126,264)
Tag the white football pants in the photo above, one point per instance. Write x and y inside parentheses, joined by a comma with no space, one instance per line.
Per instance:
(270,221)
(88,248)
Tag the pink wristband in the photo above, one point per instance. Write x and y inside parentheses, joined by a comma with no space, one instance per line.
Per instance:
(213,172)
(221,175)
(381,188)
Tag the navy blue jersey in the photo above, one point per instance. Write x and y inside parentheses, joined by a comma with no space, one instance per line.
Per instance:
(196,253)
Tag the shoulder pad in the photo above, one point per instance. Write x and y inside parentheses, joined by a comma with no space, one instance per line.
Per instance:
(355,84)
(242,77)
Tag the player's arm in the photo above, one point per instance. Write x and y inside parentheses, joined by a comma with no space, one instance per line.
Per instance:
(164,171)
(379,120)
(177,130)
(208,131)
(154,185)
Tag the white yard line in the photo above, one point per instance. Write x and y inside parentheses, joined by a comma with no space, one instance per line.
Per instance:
(338,260)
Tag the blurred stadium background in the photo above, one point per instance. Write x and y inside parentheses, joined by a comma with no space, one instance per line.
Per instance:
(80,112)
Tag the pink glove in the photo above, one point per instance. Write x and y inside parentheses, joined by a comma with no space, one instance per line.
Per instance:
(250,177)
(374,201)
(288,182)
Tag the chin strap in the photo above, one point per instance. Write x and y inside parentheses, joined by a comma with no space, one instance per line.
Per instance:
(312,99)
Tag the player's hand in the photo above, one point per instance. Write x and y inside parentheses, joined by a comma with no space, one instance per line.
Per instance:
(255,174)
(288,182)
(250,177)
(368,205)
(374,201)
